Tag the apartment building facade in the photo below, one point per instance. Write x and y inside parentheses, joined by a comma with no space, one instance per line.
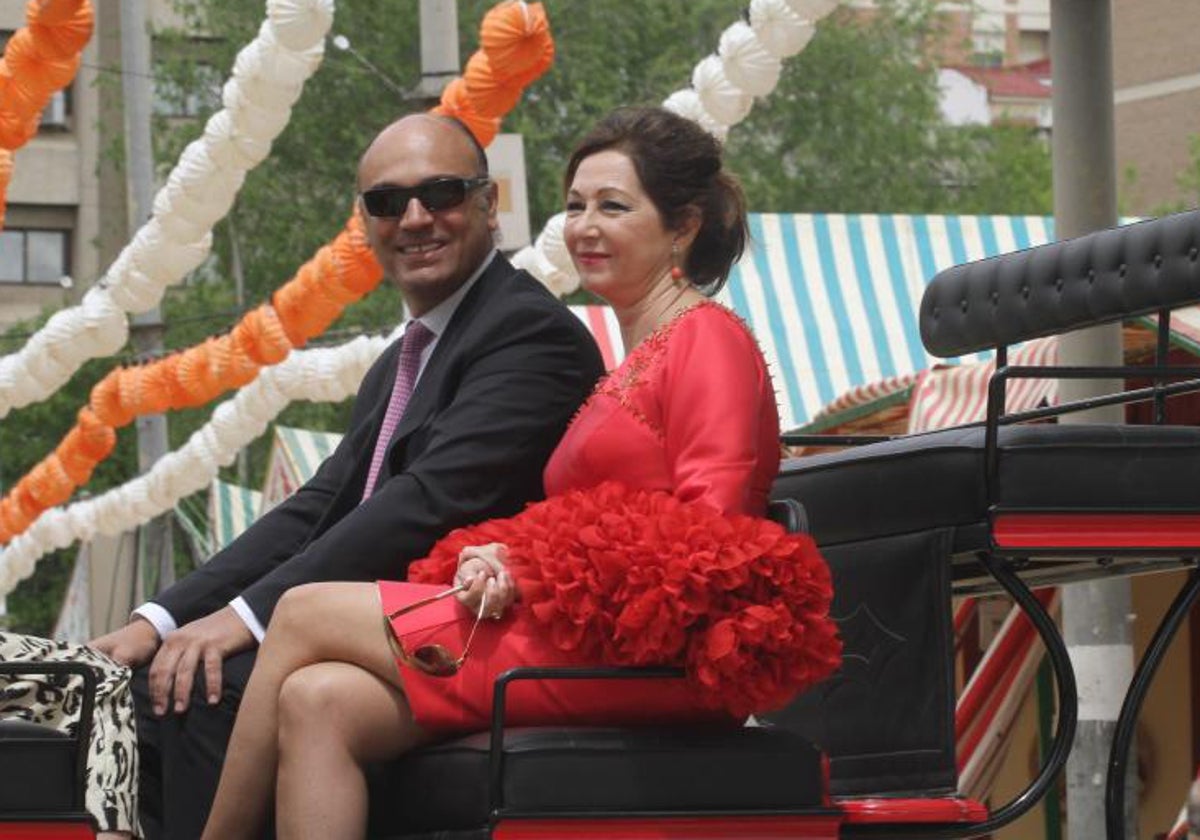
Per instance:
(1003,47)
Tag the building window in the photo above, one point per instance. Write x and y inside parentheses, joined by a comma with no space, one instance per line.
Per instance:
(57,113)
(1032,46)
(987,47)
(34,256)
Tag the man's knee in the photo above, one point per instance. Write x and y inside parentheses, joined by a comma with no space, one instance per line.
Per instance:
(234,674)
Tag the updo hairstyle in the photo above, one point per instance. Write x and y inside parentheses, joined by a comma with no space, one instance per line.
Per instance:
(679,166)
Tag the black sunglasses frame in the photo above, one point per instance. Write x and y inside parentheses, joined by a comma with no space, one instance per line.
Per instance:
(439,194)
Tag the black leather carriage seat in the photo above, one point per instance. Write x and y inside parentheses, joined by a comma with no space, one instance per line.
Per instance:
(899,522)
(41,768)
(442,791)
(936,480)
(38,771)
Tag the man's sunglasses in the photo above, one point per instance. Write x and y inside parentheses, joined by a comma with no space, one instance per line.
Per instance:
(438,194)
(432,659)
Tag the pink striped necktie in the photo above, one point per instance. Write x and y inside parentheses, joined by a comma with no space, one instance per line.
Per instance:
(416,338)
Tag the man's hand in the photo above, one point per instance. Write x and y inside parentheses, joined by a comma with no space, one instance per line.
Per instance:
(208,641)
(132,645)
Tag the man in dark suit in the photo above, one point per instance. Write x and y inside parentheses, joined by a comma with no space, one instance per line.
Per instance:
(500,368)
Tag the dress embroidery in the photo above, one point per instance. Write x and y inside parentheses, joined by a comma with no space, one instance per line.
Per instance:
(646,359)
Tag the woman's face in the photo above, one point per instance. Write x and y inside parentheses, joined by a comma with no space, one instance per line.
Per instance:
(613,230)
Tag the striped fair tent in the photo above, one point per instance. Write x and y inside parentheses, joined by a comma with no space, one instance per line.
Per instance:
(833,298)
(295,456)
(231,509)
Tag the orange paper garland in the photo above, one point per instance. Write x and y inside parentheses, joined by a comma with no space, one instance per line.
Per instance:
(39,59)
(314,298)
(517,48)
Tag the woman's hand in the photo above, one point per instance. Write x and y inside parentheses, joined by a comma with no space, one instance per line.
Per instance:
(482,569)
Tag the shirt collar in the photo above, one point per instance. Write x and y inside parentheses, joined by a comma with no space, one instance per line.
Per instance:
(437,319)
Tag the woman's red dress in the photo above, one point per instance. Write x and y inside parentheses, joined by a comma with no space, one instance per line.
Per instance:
(690,411)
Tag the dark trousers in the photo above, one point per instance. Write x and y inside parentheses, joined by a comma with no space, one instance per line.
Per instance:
(181,755)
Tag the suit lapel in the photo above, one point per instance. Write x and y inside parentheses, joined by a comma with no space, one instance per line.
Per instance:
(423,401)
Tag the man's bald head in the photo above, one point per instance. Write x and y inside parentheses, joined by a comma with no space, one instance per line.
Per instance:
(455,132)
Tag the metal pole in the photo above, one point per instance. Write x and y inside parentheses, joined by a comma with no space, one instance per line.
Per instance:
(239,289)
(439,47)
(1096,623)
(146,329)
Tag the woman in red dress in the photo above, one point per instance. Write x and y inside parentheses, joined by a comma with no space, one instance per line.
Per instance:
(673,446)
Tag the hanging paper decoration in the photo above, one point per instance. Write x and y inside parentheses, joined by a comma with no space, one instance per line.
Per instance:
(328,375)
(489,97)
(515,35)
(6,170)
(268,76)
(782,32)
(747,63)
(516,49)
(340,273)
(455,103)
(812,9)
(61,27)
(39,60)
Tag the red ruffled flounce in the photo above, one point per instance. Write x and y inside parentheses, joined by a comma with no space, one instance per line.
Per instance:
(636,577)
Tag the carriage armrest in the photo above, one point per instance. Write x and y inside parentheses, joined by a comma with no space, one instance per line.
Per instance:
(601,672)
(83,731)
(67,669)
(499,690)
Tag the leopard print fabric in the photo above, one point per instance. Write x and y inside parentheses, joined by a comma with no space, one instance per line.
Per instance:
(54,700)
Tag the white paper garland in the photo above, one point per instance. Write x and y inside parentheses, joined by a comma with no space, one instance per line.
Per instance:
(327,375)
(267,78)
(747,63)
(781,31)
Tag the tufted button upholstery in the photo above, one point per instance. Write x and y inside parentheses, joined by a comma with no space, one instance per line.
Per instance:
(1105,276)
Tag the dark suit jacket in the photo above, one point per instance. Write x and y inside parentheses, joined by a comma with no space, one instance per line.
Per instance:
(510,370)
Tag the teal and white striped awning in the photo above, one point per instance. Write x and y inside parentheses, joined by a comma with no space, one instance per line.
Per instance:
(231,510)
(833,298)
(295,456)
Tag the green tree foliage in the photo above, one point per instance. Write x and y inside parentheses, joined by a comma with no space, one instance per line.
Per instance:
(853,126)
(1006,170)
(1187,180)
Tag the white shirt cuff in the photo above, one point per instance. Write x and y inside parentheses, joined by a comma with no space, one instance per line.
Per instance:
(159,618)
(247,615)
